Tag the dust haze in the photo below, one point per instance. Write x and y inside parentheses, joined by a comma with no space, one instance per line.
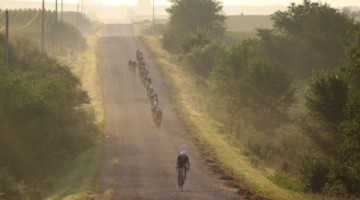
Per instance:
(143,10)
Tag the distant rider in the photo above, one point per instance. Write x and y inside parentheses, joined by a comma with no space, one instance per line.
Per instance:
(182,161)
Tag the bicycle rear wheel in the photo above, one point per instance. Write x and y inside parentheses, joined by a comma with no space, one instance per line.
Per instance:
(182,178)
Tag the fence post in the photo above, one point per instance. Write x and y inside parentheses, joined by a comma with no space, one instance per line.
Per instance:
(56,20)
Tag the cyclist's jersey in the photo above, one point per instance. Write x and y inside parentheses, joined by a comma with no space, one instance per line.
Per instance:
(181,160)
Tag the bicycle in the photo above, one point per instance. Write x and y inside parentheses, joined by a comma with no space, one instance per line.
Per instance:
(181,177)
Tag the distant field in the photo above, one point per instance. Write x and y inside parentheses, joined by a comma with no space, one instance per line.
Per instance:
(248,22)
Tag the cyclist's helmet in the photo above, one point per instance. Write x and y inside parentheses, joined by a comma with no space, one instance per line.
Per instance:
(183,153)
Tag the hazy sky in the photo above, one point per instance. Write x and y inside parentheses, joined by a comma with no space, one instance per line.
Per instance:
(333,3)
(238,2)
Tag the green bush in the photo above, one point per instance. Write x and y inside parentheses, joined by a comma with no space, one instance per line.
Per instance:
(202,58)
(314,172)
(344,178)
(169,41)
(7,184)
(327,96)
(155,29)
(43,121)
(257,142)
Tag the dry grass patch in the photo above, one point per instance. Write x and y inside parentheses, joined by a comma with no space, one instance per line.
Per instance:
(85,68)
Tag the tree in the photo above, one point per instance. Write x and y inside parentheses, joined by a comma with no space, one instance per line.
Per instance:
(327,96)
(353,63)
(346,171)
(333,101)
(314,34)
(44,118)
(326,102)
(266,91)
(188,15)
(258,89)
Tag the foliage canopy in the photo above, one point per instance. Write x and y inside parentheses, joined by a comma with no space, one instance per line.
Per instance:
(188,15)
(309,36)
(44,122)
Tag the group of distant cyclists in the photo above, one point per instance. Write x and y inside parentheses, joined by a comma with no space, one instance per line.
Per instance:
(139,65)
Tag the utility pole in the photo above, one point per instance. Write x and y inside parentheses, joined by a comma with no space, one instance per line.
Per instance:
(42,26)
(56,11)
(153,11)
(77,15)
(7,37)
(82,7)
(56,19)
(62,11)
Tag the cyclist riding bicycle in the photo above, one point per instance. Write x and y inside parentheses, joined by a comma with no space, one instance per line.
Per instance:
(182,161)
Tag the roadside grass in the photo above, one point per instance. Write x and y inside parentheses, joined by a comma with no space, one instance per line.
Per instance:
(285,181)
(211,134)
(78,179)
(84,67)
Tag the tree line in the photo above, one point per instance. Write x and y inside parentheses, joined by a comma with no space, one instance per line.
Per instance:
(45,122)
(291,93)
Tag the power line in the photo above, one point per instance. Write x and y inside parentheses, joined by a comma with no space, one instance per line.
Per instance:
(28,23)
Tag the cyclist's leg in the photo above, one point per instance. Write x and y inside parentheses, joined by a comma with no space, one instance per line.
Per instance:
(178,177)
(186,168)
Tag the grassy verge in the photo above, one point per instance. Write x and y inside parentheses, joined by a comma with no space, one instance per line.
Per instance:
(78,179)
(211,133)
(84,68)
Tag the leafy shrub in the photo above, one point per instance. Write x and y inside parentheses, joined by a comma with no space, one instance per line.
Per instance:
(169,41)
(259,143)
(344,178)
(43,122)
(326,97)
(202,58)
(265,89)
(155,29)
(314,172)
(7,184)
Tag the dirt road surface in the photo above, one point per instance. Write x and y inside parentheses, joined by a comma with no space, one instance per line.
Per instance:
(139,159)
